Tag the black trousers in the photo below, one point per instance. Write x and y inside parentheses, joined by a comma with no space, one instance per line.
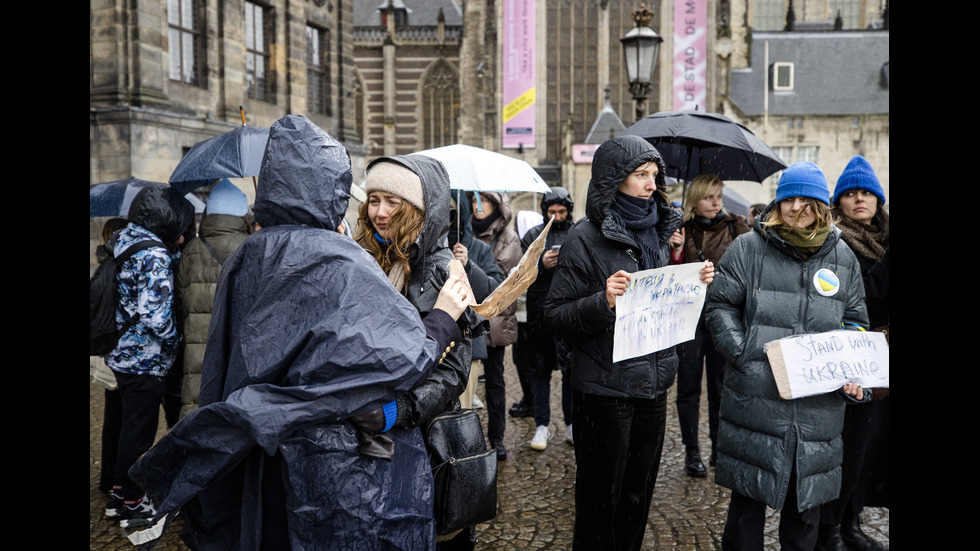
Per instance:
(139,405)
(549,354)
(695,357)
(493,370)
(865,430)
(618,443)
(111,427)
(746,524)
(522,361)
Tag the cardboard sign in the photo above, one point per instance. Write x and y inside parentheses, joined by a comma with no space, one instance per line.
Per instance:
(805,365)
(659,309)
(518,280)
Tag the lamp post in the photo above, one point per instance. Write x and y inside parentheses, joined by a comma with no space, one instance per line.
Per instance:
(641,45)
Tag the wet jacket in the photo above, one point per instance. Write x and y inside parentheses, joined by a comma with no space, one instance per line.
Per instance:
(306,331)
(506,247)
(595,249)
(146,283)
(429,258)
(709,240)
(538,290)
(482,270)
(764,290)
(197,278)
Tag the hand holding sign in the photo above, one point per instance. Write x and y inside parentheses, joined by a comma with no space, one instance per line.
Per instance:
(656,309)
(805,365)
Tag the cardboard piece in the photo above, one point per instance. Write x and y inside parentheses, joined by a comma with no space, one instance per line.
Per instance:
(806,365)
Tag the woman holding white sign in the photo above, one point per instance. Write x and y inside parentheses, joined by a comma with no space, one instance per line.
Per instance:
(619,408)
(707,232)
(792,275)
(859,202)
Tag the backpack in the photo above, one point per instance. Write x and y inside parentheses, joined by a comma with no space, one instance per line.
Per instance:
(104,296)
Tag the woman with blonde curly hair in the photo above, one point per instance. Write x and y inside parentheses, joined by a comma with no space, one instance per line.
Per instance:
(404,225)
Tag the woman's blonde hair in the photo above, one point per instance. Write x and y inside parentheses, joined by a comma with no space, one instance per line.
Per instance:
(821,211)
(701,186)
(404,227)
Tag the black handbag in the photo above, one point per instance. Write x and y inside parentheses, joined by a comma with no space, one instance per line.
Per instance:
(464,470)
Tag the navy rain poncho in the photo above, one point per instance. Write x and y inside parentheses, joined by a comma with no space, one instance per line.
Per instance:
(306,331)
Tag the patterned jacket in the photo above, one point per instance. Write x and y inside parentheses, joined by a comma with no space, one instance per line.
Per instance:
(146,285)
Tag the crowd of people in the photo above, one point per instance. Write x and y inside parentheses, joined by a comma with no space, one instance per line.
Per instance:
(311,354)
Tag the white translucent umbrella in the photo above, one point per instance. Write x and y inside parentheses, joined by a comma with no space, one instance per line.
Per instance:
(476,169)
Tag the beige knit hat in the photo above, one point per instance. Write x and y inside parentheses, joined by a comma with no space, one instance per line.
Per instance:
(395,178)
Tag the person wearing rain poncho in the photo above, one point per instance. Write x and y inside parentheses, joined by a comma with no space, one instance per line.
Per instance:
(306,334)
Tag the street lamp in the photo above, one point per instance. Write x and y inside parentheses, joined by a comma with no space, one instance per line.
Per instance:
(640,48)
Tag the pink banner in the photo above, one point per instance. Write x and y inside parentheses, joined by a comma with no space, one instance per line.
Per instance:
(690,54)
(518,73)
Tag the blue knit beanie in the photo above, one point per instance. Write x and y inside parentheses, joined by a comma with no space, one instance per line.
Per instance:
(858,174)
(226,198)
(803,179)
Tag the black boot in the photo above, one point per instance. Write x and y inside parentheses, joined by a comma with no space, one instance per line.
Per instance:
(501,450)
(693,463)
(855,539)
(522,409)
(828,538)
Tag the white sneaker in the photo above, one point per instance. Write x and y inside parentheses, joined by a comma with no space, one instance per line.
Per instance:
(477,404)
(540,440)
(568,435)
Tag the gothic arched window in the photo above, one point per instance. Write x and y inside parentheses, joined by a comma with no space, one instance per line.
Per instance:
(440,106)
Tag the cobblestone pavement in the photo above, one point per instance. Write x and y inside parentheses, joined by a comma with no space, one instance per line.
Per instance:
(536,500)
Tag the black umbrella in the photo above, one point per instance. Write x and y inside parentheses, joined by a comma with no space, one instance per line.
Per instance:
(114,198)
(694,142)
(234,154)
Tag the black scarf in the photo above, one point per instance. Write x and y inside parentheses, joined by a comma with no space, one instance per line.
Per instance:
(480,226)
(639,217)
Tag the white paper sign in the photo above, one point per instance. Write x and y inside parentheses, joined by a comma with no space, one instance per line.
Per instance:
(805,365)
(660,309)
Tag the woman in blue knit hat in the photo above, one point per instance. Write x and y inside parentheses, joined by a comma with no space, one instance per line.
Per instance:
(859,202)
(793,274)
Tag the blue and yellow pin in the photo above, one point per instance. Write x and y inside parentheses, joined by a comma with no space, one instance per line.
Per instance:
(826,282)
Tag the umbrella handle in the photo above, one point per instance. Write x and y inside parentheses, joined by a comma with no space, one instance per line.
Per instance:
(242,111)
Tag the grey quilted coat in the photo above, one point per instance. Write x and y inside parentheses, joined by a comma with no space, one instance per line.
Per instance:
(764,290)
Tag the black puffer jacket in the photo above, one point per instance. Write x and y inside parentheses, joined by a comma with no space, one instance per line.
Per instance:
(764,290)
(538,291)
(429,258)
(576,306)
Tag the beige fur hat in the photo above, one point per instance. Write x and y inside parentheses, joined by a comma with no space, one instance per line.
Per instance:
(395,178)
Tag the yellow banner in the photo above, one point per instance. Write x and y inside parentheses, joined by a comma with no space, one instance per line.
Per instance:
(519,104)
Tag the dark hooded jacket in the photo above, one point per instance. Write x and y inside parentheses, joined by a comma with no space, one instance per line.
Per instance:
(306,331)
(506,247)
(763,291)
(538,291)
(482,270)
(595,249)
(429,258)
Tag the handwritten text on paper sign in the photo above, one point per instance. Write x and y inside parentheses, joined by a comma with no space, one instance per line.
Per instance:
(660,308)
(805,365)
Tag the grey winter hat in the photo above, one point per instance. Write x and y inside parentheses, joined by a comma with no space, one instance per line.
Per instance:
(396,179)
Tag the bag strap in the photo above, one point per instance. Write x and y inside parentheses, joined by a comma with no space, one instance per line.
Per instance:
(211,250)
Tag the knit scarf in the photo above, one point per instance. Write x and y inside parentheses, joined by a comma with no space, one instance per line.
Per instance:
(800,238)
(866,240)
(639,217)
(396,274)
